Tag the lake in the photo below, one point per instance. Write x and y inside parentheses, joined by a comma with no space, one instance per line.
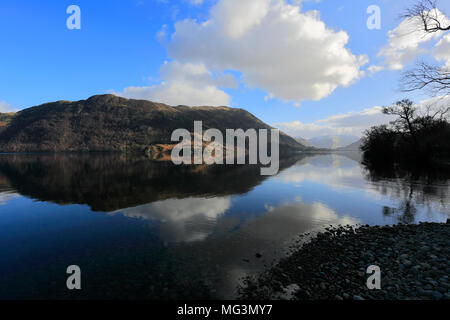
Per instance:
(141,229)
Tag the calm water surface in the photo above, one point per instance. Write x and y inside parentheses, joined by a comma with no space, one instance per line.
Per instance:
(151,230)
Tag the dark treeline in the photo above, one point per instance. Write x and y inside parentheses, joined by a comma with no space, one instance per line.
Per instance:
(419,137)
(413,138)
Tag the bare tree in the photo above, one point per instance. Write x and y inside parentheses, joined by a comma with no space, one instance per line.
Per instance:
(431,17)
(411,118)
(406,112)
(433,78)
(435,114)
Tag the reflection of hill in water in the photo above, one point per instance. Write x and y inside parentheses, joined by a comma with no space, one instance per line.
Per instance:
(108,182)
(194,235)
(353,155)
(334,160)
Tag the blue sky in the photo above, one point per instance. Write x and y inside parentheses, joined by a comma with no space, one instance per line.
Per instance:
(131,43)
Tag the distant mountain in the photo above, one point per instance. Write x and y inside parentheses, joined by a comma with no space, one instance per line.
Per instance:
(304,142)
(332,142)
(355,146)
(111,123)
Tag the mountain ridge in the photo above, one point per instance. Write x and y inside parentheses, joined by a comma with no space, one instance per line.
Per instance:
(333,142)
(355,146)
(112,123)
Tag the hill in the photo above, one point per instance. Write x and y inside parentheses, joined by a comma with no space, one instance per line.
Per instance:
(5,119)
(355,146)
(304,142)
(111,123)
(332,142)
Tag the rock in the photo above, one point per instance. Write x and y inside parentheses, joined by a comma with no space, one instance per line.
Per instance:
(437,295)
(433,283)
(290,292)
(425,265)
(424,292)
(441,290)
(416,267)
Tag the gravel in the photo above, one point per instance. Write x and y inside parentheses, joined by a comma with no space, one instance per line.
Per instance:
(414,261)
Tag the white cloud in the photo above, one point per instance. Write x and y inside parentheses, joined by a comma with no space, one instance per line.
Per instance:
(354,123)
(184,220)
(6,197)
(315,216)
(5,107)
(196,2)
(442,50)
(338,172)
(292,55)
(434,104)
(185,84)
(405,43)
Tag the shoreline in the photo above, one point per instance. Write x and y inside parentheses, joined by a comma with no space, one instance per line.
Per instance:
(414,261)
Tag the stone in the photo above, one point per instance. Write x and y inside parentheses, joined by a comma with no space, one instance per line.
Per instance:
(437,295)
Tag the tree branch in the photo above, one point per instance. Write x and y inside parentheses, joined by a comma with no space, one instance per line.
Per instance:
(425,76)
(429,15)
